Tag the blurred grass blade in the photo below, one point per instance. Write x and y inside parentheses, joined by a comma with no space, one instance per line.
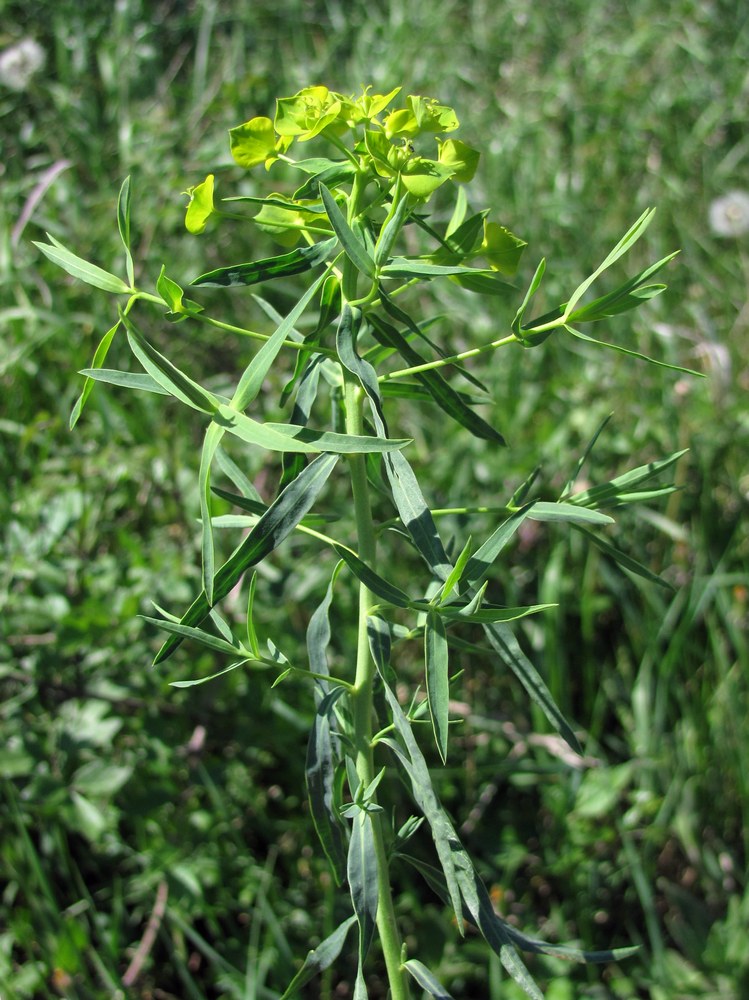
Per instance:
(361,870)
(319,958)
(353,247)
(283,266)
(82,269)
(320,775)
(279,519)
(584,457)
(505,643)
(436,664)
(98,360)
(426,980)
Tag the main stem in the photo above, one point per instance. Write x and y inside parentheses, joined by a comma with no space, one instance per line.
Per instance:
(361,697)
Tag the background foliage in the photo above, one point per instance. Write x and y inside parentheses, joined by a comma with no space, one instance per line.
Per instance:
(120,792)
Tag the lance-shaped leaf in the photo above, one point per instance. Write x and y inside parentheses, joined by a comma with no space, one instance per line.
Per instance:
(126,380)
(353,247)
(295,438)
(320,775)
(439,389)
(487,613)
(616,490)
(627,296)
(123,224)
(436,665)
(330,176)
(386,591)
(198,634)
(82,269)
(413,267)
(569,512)
(633,354)
(481,561)
(280,518)
(168,375)
(211,442)
(532,289)
(623,560)
(466,892)
(426,980)
(361,870)
(98,361)
(393,225)
(505,643)
(285,264)
(320,958)
(436,880)
(380,641)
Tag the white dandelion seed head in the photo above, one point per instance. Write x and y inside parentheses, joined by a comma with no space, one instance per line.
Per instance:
(20,62)
(729,215)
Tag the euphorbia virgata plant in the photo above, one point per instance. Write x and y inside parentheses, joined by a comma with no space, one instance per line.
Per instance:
(354,220)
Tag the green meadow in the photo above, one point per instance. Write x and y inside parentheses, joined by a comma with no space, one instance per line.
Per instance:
(156,841)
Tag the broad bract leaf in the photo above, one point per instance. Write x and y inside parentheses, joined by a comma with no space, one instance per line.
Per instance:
(253,143)
(502,248)
(200,207)
(460,158)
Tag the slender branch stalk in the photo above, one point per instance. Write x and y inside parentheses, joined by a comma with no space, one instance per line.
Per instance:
(387,924)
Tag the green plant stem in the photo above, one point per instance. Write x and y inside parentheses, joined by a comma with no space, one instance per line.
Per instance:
(361,698)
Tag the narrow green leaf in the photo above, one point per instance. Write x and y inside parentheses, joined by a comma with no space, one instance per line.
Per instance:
(433,381)
(416,517)
(625,243)
(361,869)
(381,588)
(436,664)
(584,457)
(211,441)
(633,354)
(254,375)
(392,227)
(331,176)
(98,360)
(275,524)
(320,958)
(378,634)
(489,613)
(413,267)
(505,643)
(426,980)
(482,283)
(482,560)
(353,247)
(456,573)
(295,438)
(295,262)
(532,289)
(626,296)
(232,471)
(82,269)
(568,512)
(123,224)
(608,493)
(168,375)
(198,634)
(127,380)
(320,776)
(625,561)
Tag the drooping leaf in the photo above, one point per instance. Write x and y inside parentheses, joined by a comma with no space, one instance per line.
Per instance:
(633,354)
(295,262)
(361,870)
(624,560)
(426,980)
(504,642)
(320,958)
(439,389)
(320,775)
(382,588)
(168,375)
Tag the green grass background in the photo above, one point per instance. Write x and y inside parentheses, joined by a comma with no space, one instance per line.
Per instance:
(114,784)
